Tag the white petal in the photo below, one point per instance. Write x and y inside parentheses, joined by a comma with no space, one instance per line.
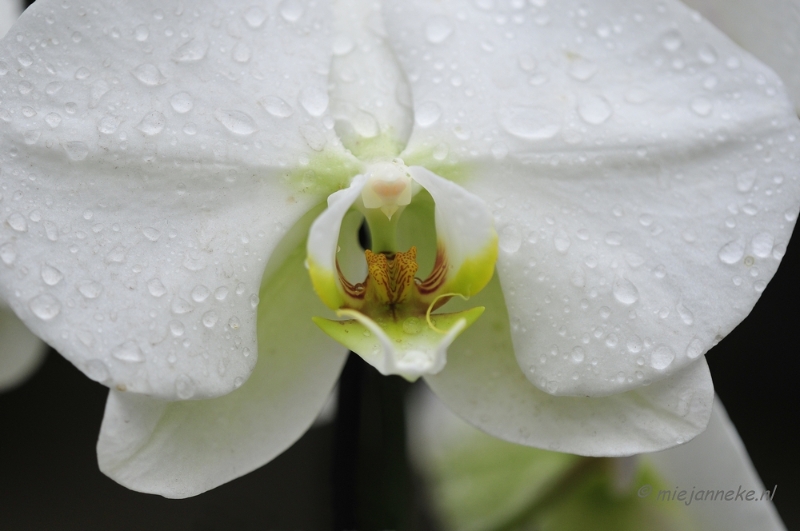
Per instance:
(22,352)
(180,449)
(768,29)
(144,181)
(644,192)
(370,98)
(483,384)
(717,460)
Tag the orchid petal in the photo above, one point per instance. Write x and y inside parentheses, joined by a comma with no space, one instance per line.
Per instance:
(642,171)
(717,459)
(22,351)
(483,384)
(180,449)
(770,30)
(138,172)
(370,98)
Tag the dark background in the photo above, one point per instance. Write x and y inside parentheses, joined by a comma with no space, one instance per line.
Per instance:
(49,478)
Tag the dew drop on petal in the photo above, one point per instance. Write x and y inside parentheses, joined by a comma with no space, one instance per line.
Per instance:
(236,122)
(156,287)
(181,102)
(76,151)
(762,244)
(50,275)
(17,222)
(152,123)
(96,370)
(694,349)
(624,291)
(276,106)
(255,17)
(732,252)
(291,10)
(200,293)
(314,100)
(210,319)
(578,355)
(686,315)
(190,52)
(529,123)
(148,74)
(594,109)
(184,387)
(45,307)
(661,358)
(701,106)
(89,289)
(427,114)
(438,29)
(561,241)
(510,239)
(8,253)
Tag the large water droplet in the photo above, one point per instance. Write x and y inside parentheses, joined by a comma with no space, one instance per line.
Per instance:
(510,239)
(129,352)
(578,355)
(108,124)
(184,387)
(438,29)
(255,17)
(200,293)
(701,106)
(291,10)
(210,318)
(152,123)
(694,349)
(530,123)
(156,287)
(686,315)
(50,275)
(314,100)
(582,69)
(661,358)
(672,40)
(89,289)
(17,222)
(8,253)
(45,307)
(746,180)
(182,102)
(236,122)
(762,244)
(189,52)
(96,370)
(561,241)
(148,74)
(276,106)
(427,114)
(732,252)
(624,291)
(594,109)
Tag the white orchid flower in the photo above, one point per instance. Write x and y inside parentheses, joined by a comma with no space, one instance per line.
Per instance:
(22,352)
(478,483)
(165,173)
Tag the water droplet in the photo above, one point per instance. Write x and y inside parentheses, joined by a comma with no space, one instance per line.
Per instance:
(412,326)
(200,293)
(184,387)
(234,323)
(17,222)
(707,54)
(236,122)
(624,291)
(108,124)
(613,238)
(190,129)
(89,289)
(53,120)
(156,287)
(634,344)
(152,123)
(181,102)
(672,40)
(314,100)
(254,301)
(148,74)
(313,137)
(701,106)
(427,114)
(255,17)
(732,252)
(342,45)
(210,319)
(582,69)
(661,358)
(530,123)
(116,255)
(510,239)
(181,306)
(96,370)
(53,87)
(241,53)
(594,109)
(189,52)
(578,355)
(746,180)
(76,151)
(759,286)
(561,241)
(762,244)
(45,307)
(276,106)
(82,73)
(151,234)
(686,315)
(221,293)
(176,328)
(438,29)
(291,10)
(694,349)
(50,275)
(141,33)
(8,253)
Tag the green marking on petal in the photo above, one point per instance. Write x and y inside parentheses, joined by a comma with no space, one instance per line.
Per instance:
(475,271)
(325,284)
(382,146)
(407,346)
(325,172)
